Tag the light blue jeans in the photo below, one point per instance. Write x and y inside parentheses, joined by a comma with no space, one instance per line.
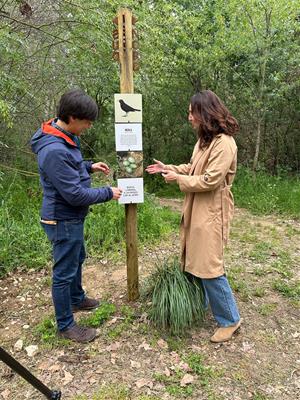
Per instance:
(218,294)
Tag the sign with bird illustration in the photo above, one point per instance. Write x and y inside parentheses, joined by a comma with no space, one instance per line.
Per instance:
(128,108)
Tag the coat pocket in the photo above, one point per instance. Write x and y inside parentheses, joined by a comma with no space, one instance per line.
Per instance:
(227,211)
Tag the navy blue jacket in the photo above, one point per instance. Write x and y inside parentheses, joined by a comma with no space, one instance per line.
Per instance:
(64,175)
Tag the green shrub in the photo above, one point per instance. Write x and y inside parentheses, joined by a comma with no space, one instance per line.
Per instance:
(177,298)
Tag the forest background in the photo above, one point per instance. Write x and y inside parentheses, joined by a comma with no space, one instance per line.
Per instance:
(248,52)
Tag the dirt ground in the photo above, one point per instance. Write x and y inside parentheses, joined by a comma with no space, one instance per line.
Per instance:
(261,362)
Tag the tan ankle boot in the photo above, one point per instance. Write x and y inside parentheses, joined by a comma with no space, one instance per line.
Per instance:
(223,334)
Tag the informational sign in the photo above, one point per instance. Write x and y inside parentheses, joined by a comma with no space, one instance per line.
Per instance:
(128,108)
(129,147)
(128,137)
(133,190)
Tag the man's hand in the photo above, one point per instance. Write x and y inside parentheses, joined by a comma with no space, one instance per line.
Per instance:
(117,193)
(156,168)
(169,175)
(100,167)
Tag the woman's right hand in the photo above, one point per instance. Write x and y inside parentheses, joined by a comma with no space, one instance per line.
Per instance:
(156,168)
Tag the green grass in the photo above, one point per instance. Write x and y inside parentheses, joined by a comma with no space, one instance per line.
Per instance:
(128,315)
(259,192)
(114,392)
(262,193)
(196,363)
(99,316)
(260,396)
(267,309)
(109,392)
(290,290)
(172,384)
(23,243)
(46,331)
(177,298)
(239,286)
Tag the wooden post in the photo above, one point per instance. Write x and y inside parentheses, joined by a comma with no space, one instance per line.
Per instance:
(126,86)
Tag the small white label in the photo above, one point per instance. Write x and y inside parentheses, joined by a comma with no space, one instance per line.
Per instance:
(133,190)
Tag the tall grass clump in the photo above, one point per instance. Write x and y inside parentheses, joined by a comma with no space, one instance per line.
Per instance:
(177,298)
(263,193)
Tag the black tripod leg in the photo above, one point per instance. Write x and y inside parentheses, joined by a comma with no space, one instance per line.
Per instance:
(24,373)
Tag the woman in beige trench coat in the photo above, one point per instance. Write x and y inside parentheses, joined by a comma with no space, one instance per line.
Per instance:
(208,205)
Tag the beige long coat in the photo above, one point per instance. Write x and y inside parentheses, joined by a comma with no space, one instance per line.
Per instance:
(208,206)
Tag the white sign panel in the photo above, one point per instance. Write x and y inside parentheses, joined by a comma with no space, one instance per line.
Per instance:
(133,190)
(128,108)
(128,137)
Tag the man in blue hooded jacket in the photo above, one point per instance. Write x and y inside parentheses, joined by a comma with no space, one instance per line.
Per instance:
(67,194)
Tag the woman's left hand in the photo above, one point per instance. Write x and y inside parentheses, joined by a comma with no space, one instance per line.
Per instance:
(100,167)
(169,175)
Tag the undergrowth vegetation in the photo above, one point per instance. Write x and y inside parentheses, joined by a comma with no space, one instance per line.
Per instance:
(176,298)
(259,192)
(24,244)
(262,193)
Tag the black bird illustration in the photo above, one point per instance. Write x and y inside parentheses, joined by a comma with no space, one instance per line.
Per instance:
(127,108)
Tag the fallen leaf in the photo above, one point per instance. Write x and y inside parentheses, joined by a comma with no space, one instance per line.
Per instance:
(144,382)
(111,322)
(145,346)
(162,344)
(44,365)
(248,347)
(114,346)
(67,378)
(186,380)
(54,368)
(18,345)
(113,359)
(31,350)
(184,366)
(5,394)
(135,364)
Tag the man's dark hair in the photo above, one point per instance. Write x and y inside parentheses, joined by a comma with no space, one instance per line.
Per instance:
(77,104)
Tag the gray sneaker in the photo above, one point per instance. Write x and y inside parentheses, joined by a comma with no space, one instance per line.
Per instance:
(79,334)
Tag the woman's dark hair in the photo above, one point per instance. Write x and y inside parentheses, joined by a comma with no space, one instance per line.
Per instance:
(77,104)
(213,116)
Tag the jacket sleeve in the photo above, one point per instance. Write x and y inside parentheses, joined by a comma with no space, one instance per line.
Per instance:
(61,170)
(183,169)
(88,166)
(218,165)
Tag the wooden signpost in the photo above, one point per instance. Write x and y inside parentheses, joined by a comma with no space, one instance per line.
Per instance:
(126,53)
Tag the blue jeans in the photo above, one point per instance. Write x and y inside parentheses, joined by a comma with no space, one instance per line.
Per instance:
(219,295)
(68,254)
